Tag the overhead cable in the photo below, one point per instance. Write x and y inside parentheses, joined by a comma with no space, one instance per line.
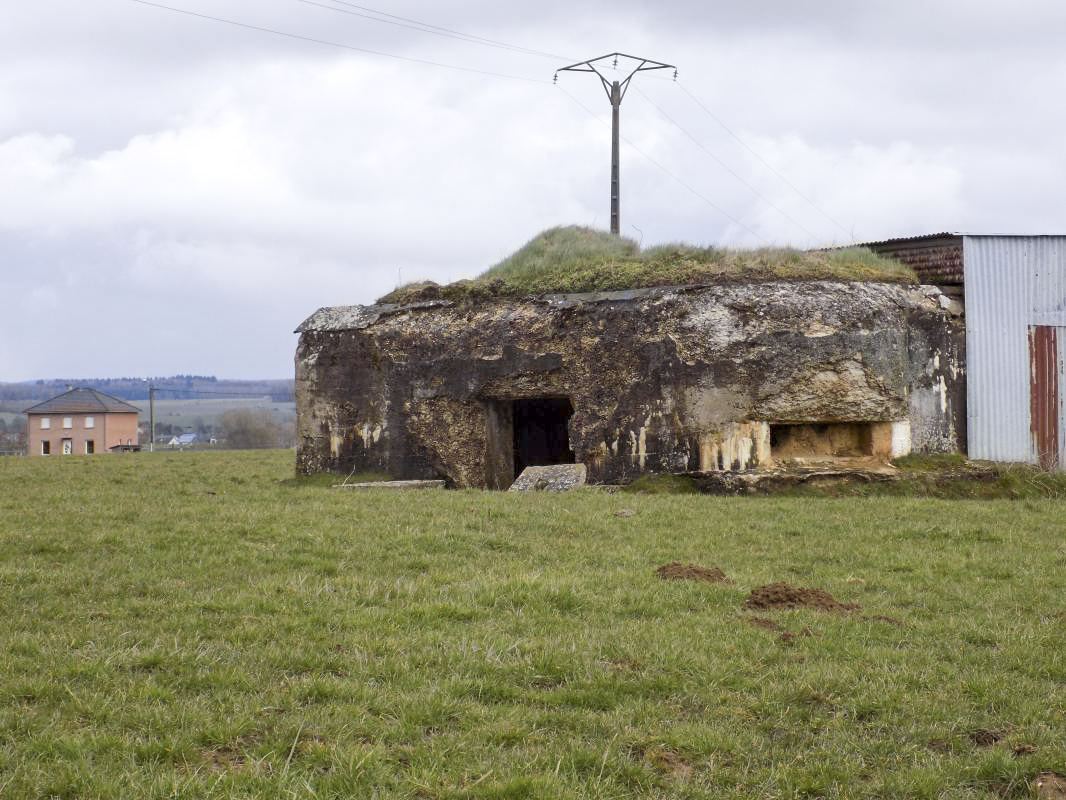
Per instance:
(426,27)
(765,163)
(814,237)
(339,45)
(670,174)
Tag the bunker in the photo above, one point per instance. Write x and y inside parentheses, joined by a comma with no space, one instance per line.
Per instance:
(735,375)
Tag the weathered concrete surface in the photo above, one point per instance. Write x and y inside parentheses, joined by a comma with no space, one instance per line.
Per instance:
(554,478)
(678,380)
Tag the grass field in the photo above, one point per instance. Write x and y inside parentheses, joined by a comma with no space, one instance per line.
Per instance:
(203,625)
(209,411)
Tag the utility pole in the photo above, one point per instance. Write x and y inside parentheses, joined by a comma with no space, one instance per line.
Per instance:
(151,418)
(616,90)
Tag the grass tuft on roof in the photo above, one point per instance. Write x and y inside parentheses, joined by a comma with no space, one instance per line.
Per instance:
(580,259)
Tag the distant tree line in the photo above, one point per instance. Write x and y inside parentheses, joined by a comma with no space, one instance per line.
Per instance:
(238,429)
(16,396)
(252,429)
(12,436)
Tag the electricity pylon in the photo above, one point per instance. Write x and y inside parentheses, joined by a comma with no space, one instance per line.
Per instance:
(616,90)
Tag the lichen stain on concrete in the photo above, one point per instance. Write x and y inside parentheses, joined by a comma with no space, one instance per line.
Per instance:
(818,328)
(659,380)
(708,406)
(840,390)
(735,446)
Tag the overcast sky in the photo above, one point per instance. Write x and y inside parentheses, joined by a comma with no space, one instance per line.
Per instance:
(178,193)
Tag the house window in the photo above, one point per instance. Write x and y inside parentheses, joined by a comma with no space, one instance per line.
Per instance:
(90,422)
(68,446)
(46,423)
(90,446)
(46,448)
(68,422)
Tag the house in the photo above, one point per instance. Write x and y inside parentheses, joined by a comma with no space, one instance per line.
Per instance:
(1014,289)
(732,375)
(81,422)
(183,440)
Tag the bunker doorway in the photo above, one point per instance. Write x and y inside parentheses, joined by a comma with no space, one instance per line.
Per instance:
(541,433)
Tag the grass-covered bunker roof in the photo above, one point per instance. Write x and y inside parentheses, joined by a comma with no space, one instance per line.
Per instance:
(579,259)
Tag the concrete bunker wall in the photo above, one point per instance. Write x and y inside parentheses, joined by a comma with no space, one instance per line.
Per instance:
(646,380)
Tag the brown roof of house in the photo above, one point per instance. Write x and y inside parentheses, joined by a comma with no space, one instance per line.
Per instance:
(83,401)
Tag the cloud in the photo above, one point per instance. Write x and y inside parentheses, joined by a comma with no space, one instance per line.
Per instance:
(180,193)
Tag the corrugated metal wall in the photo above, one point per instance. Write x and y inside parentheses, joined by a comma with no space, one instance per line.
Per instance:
(936,258)
(1012,283)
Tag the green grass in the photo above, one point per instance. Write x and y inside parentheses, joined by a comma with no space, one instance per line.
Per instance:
(331,479)
(191,625)
(661,483)
(953,477)
(577,259)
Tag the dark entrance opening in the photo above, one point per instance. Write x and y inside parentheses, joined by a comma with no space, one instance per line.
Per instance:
(540,432)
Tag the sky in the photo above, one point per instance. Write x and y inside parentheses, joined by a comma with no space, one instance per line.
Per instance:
(178,193)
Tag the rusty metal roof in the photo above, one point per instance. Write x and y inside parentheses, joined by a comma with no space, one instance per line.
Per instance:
(83,401)
(935,257)
(908,239)
(938,257)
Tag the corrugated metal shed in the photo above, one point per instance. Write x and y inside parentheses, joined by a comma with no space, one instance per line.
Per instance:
(1015,306)
(937,258)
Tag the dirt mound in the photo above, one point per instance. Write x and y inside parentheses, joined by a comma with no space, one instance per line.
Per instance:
(1050,786)
(783,595)
(790,636)
(668,761)
(690,572)
(984,737)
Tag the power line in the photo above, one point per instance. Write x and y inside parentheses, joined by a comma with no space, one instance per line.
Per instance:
(670,174)
(765,163)
(426,27)
(414,26)
(728,169)
(339,45)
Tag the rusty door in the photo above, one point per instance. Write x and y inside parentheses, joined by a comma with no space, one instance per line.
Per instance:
(1045,400)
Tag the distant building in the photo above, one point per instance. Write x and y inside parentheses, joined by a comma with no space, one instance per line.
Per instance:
(81,422)
(183,440)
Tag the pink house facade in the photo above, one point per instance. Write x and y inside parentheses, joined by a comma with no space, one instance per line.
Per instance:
(81,422)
